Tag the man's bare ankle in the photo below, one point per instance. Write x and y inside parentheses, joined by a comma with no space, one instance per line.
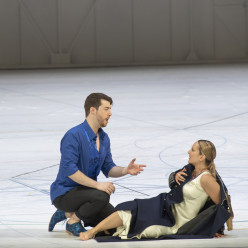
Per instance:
(68,215)
(73,219)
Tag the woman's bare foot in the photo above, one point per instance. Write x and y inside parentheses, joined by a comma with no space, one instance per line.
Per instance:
(86,235)
(218,235)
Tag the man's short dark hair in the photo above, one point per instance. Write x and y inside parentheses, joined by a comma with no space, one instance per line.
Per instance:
(94,100)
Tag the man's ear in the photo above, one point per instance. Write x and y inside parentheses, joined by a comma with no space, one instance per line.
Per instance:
(92,110)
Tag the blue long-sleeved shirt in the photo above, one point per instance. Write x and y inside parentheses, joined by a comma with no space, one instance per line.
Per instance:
(77,154)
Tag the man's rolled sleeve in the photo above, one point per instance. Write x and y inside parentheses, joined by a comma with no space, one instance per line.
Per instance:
(69,154)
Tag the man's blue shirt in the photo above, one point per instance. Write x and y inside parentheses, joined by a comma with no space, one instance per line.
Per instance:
(78,152)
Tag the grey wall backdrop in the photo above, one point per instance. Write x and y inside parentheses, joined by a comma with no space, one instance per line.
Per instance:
(67,33)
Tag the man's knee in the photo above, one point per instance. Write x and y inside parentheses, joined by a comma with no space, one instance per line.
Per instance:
(88,211)
(102,197)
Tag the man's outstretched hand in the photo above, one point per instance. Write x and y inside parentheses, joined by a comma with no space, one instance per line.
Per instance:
(135,169)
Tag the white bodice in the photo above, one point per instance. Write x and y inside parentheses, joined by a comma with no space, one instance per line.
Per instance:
(194,198)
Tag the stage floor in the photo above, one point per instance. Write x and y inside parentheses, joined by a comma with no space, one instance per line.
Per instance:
(158,113)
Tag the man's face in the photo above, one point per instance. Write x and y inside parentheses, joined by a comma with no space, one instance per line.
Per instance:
(103,113)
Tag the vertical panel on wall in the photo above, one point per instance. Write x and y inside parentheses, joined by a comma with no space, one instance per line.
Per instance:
(35,48)
(230,29)
(114,31)
(43,16)
(152,30)
(204,29)
(9,33)
(78,30)
(180,12)
(83,50)
(73,18)
(81,43)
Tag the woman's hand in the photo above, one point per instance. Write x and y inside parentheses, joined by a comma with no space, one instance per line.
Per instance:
(179,177)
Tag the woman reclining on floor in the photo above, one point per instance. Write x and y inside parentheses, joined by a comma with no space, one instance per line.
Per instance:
(196,204)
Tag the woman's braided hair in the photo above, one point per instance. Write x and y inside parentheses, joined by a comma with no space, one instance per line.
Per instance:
(207,148)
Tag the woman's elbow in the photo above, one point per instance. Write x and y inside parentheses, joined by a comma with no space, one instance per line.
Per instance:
(217,199)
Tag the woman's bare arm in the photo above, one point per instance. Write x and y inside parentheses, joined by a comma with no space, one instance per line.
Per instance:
(211,187)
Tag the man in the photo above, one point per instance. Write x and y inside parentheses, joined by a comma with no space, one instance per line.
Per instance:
(85,151)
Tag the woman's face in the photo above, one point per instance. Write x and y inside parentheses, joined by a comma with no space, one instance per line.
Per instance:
(194,155)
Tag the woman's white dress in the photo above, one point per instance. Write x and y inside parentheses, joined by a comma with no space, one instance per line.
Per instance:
(194,198)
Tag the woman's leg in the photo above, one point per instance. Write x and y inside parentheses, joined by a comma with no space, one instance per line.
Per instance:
(110,222)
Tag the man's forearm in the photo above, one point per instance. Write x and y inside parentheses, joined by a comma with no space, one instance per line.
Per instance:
(118,171)
(82,179)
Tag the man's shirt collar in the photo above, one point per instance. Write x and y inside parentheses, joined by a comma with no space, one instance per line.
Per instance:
(91,133)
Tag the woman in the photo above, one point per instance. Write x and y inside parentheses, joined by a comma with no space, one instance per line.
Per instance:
(184,210)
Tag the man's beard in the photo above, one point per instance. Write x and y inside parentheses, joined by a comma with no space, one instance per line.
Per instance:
(102,124)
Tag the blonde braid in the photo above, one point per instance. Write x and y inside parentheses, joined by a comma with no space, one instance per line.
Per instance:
(207,148)
(212,169)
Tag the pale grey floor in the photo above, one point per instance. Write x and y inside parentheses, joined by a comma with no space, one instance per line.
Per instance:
(158,113)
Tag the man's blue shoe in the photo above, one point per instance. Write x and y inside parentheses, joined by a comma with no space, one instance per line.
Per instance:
(57,217)
(75,228)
